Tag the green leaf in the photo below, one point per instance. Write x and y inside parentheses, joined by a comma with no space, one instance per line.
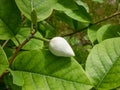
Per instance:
(9,19)
(8,51)
(108,31)
(79,2)
(42,70)
(43,8)
(18,77)
(5,33)
(65,5)
(70,8)
(103,64)
(92,33)
(32,44)
(80,15)
(3,61)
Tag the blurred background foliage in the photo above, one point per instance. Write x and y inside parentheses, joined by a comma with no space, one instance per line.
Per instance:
(104,9)
(61,25)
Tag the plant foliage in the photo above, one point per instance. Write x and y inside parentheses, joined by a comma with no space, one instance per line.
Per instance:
(26,63)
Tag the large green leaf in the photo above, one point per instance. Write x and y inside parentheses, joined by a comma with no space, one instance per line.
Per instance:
(40,70)
(43,8)
(32,44)
(3,61)
(74,11)
(103,64)
(108,31)
(9,19)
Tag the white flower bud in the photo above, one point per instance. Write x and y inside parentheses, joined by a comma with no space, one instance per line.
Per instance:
(60,47)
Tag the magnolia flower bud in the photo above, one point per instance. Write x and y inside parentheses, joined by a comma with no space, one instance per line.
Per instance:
(60,47)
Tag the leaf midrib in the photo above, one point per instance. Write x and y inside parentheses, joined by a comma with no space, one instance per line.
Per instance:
(114,62)
(45,75)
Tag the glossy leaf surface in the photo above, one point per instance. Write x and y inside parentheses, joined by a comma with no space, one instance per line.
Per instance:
(42,70)
(9,19)
(103,64)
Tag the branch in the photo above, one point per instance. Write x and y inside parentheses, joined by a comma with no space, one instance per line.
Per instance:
(76,31)
(95,23)
(33,31)
(106,18)
(19,47)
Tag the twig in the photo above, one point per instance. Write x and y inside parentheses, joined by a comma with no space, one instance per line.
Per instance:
(95,23)
(106,18)
(43,39)
(33,31)
(5,43)
(19,47)
(16,52)
(76,31)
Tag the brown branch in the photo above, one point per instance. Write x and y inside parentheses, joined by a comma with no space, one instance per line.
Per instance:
(70,34)
(19,47)
(109,17)
(16,52)
(33,31)
(95,23)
